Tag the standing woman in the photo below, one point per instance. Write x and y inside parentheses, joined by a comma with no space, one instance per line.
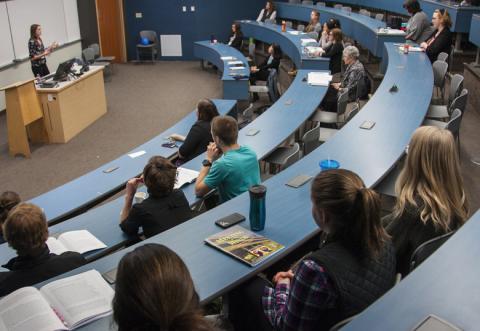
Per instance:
(441,39)
(267,13)
(38,52)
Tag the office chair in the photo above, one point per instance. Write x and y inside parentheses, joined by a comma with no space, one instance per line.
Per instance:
(426,249)
(283,157)
(442,112)
(311,139)
(152,47)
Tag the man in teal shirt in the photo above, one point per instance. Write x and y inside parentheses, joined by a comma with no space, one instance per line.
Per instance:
(228,166)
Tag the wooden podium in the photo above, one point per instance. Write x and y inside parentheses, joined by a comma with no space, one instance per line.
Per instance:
(24,117)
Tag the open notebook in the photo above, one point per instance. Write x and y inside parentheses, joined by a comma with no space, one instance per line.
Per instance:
(80,241)
(185,176)
(319,78)
(65,304)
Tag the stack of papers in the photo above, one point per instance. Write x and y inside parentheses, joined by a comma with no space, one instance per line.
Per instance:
(232,63)
(391,31)
(237,68)
(313,50)
(308,41)
(319,78)
(295,33)
(185,176)
(228,58)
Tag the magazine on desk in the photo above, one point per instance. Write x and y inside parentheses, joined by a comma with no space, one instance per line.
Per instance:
(64,304)
(185,176)
(244,245)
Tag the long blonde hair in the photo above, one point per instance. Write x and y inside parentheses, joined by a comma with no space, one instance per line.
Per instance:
(431,175)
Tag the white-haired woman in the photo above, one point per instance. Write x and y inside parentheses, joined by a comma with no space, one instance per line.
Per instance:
(431,200)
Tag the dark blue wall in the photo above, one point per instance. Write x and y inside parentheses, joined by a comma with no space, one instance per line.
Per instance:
(166,17)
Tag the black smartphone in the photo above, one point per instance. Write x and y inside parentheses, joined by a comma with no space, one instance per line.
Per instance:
(228,221)
(110,276)
(170,144)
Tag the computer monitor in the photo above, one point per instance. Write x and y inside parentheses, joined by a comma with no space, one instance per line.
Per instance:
(63,70)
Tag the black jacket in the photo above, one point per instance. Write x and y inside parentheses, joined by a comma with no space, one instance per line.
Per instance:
(237,40)
(196,141)
(155,215)
(334,52)
(28,271)
(443,43)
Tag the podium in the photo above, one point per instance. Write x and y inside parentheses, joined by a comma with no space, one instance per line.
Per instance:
(24,117)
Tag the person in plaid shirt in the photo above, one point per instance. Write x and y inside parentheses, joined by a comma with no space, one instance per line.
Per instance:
(354,265)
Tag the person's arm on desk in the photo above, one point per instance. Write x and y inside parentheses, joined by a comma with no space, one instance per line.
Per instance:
(131,189)
(201,188)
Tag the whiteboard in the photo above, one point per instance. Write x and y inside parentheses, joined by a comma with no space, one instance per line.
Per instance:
(6,51)
(58,18)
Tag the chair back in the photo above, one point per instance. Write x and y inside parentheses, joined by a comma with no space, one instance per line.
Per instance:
(96,50)
(337,6)
(293,157)
(364,12)
(442,57)
(440,69)
(311,139)
(251,51)
(454,123)
(88,55)
(456,86)
(150,35)
(270,21)
(272,85)
(321,4)
(294,1)
(347,9)
(355,110)
(300,27)
(307,2)
(289,24)
(379,17)
(426,249)
(313,35)
(342,101)
(459,102)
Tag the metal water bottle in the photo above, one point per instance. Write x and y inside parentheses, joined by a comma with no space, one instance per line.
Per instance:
(257,207)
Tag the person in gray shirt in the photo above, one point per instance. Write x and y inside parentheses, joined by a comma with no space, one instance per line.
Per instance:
(418,26)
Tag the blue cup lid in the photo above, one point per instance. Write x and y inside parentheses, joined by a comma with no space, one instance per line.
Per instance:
(329,164)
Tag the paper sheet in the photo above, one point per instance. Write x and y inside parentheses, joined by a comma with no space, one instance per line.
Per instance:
(136,154)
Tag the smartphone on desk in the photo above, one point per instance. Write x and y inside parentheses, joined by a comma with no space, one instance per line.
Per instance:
(228,221)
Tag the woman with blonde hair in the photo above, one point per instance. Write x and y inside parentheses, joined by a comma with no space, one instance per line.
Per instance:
(441,39)
(431,200)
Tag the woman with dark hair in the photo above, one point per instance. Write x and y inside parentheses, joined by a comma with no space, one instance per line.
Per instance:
(38,52)
(165,206)
(267,13)
(199,135)
(353,267)
(8,200)
(334,51)
(441,39)
(154,291)
(324,40)
(236,36)
(271,62)
(418,26)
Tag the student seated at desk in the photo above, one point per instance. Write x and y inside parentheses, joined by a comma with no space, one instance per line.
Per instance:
(271,62)
(314,25)
(236,37)
(165,206)
(441,39)
(227,166)
(353,267)
(154,291)
(199,135)
(334,51)
(26,231)
(267,13)
(431,200)
(8,200)
(324,39)
(418,26)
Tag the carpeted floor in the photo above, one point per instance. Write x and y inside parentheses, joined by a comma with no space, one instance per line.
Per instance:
(143,100)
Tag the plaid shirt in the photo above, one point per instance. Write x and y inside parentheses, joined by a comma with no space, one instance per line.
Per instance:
(300,305)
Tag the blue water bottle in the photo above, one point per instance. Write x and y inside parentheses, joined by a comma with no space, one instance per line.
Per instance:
(257,207)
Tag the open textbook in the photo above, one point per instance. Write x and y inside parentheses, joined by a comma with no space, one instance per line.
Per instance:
(185,176)
(319,78)
(80,241)
(64,304)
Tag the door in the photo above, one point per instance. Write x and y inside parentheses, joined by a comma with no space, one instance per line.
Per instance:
(111,30)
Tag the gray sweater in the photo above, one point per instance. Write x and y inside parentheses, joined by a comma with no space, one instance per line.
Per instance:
(419,27)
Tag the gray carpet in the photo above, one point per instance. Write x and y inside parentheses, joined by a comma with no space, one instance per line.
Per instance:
(143,100)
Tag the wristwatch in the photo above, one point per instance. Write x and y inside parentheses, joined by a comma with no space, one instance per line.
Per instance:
(206,163)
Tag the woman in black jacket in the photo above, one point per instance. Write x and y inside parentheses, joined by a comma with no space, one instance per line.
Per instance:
(236,37)
(441,39)
(271,62)
(334,51)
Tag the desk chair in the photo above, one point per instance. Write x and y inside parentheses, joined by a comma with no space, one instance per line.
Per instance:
(442,112)
(327,133)
(289,24)
(440,69)
(453,125)
(307,2)
(442,57)
(152,47)
(321,4)
(329,117)
(283,157)
(379,17)
(364,12)
(426,249)
(439,106)
(270,21)
(311,139)
(300,27)
(347,9)
(293,1)
(271,87)
(89,57)
(247,116)
(98,57)
(337,6)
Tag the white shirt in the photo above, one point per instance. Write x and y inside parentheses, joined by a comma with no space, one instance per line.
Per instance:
(272,15)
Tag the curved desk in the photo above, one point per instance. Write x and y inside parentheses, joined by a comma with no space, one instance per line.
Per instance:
(369,32)
(233,89)
(90,189)
(291,44)
(394,6)
(445,285)
(370,153)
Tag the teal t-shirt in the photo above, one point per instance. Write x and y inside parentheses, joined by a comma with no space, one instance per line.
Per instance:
(234,172)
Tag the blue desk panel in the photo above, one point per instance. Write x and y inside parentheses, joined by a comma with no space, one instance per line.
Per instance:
(233,89)
(66,200)
(445,285)
(461,15)
(363,29)
(370,153)
(475,30)
(289,43)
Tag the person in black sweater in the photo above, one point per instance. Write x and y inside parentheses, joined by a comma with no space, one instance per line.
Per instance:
(8,200)
(431,200)
(271,62)
(334,51)
(26,231)
(441,39)
(236,37)
(199,135)
(165,206)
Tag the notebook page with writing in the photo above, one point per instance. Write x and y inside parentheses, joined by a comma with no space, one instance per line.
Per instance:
(185,176)
(80,299)
(26,309)
(80,241)
(55,246)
